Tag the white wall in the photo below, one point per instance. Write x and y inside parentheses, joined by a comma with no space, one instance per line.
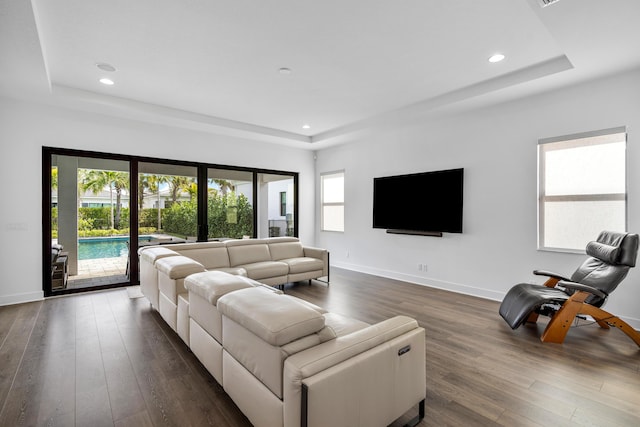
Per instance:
(497,148)
(26,127)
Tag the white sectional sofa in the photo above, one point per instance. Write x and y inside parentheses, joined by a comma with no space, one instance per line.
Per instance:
(285,362)
(288,363)
(273,261)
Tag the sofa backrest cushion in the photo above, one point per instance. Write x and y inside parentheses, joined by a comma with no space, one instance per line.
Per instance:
(210,257)
(274,318)
(285,250)
(247,251)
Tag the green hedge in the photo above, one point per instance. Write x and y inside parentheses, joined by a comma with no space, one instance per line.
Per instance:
(108,233)
(228,216)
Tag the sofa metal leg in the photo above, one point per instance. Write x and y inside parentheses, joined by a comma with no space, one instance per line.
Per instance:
(303,409)
(414,421)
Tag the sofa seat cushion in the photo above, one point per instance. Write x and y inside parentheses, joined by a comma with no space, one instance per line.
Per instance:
(265,269)
(272,317)
(211,285)
(238,271)
(303,264)
(341,325)
(178,267)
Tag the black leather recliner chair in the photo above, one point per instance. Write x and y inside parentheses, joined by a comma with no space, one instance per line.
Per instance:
(610,258)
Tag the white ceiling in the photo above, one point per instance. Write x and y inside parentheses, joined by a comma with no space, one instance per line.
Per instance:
(214,64)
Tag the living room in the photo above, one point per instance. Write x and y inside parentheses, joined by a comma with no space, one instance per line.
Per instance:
(492,135)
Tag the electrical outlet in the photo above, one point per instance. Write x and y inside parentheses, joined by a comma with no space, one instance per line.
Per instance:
(419,267)
(347,254)
(424,267)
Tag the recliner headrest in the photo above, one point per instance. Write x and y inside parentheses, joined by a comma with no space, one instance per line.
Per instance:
(606,253)
(615,248)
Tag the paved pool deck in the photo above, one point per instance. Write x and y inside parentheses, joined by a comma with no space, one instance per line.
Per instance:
(99,272)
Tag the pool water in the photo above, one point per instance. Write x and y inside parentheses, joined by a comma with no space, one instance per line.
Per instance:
(105,247)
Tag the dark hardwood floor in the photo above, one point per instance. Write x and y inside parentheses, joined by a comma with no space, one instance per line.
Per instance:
(106,359)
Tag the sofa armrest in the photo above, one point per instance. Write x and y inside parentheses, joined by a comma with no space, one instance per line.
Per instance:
(318,253)
(178,267)
(337,375)
(152,253)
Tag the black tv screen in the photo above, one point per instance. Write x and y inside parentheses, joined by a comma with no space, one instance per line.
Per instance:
(422,202)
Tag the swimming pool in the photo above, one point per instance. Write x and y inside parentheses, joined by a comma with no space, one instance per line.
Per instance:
(105,247)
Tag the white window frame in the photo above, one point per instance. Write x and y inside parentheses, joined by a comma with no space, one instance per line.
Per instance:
(324,204)
(569,141)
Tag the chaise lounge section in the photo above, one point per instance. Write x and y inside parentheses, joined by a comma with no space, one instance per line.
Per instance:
(284,361)
(287,362)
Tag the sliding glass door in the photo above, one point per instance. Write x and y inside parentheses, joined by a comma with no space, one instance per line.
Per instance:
(99,209)
(167,203)
(230,204)
(89,211)
(277,205)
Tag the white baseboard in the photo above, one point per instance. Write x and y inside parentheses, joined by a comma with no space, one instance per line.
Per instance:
(21,298)
(447,286)
(432,283)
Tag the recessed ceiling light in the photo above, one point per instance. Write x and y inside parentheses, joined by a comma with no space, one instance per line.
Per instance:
(106,81)
(306,126)
(496,58)
(106,67)
(284,70)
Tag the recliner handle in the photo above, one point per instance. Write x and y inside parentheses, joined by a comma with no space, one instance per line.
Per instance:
(580,287)
(550,274)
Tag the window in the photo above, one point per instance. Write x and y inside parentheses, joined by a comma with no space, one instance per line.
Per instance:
(582,188)
(332,193)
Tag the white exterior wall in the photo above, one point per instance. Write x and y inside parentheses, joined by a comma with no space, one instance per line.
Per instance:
(275,188)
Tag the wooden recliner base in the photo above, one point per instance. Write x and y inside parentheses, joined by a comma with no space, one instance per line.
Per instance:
(560,323)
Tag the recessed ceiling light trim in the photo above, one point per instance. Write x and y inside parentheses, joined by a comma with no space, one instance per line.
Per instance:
(106,81)
(496,58)
(106,67)
(285,70)
(306,126)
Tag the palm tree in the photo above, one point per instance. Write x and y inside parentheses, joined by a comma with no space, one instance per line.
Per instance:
(145,182)
(193,190)
(154,182)
(179,183)
(224,185)
(120,182)
(96,181)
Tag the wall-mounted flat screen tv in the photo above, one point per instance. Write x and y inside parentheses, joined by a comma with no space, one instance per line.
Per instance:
(420,202)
